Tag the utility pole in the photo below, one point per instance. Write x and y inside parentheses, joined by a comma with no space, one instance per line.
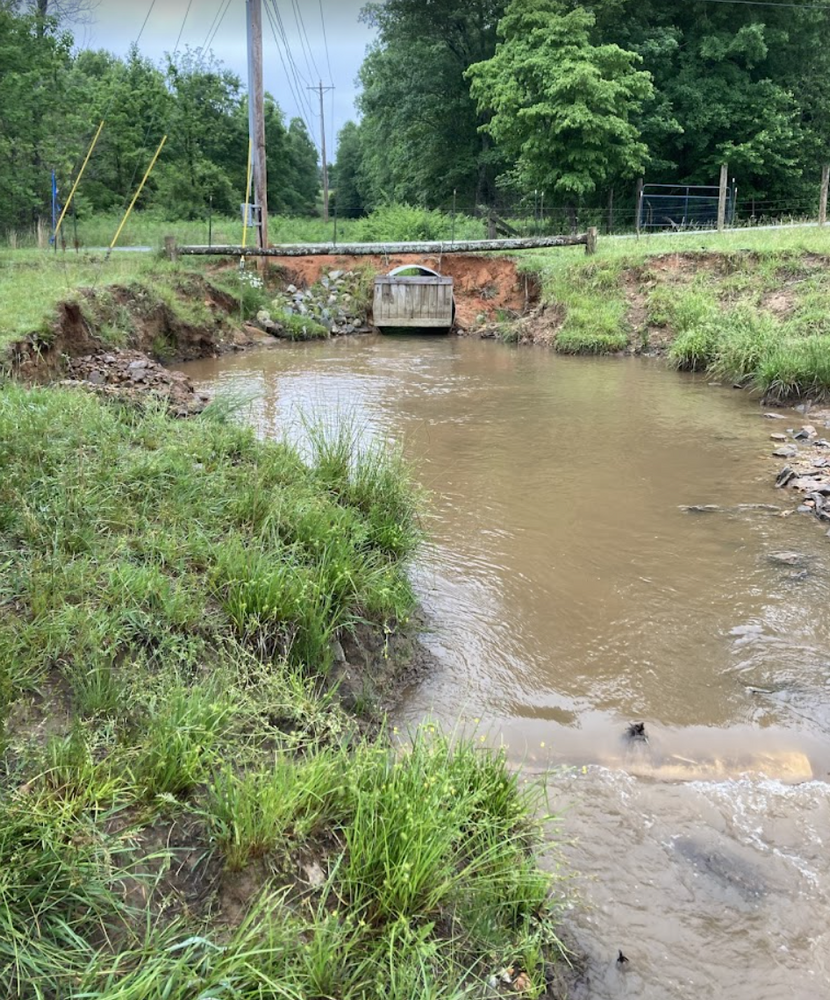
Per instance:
(324,90)
(256,120)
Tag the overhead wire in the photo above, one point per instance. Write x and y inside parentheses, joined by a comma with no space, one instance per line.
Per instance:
(184,22)
(292,76)
(219,24)
(326,41)
(305,45)
(215,23)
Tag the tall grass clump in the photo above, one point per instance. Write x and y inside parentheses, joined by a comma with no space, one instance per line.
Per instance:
(746,336)
(693,315)
(795,368)
(186,808)
(594,320)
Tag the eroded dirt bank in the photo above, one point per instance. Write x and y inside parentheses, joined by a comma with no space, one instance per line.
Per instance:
(115,340)
(486,287)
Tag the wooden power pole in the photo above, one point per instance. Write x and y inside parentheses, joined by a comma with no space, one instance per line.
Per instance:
(256,120)
(324,90)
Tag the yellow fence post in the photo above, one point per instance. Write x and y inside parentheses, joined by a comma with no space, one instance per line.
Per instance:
(77,182)
(138,192)
(247,197)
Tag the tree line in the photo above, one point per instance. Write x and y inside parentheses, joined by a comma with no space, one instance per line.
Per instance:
(52,98)
(489,102)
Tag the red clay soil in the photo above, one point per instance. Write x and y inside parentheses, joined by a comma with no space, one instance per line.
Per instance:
(483,283)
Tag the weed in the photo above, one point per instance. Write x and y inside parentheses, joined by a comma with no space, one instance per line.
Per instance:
(301,327)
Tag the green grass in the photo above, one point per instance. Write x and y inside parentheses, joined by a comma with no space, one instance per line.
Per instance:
(173,740)
(750,307)
(300,327)
(390,224)
(115,294)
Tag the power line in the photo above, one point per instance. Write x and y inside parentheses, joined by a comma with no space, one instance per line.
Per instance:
(143,26)
(304,42)
(184,22)
(213,23)
(288,65)
(326,41)
(215,31)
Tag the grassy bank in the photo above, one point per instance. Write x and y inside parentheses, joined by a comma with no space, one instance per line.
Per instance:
(186,810)
(114,296)
(749,308)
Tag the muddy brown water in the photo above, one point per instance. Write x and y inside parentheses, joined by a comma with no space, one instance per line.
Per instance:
(569,593)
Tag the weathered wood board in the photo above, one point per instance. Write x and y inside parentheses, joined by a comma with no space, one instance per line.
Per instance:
(422,302)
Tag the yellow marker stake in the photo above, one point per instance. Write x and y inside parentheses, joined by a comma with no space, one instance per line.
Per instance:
(140,189)
(77,182)
(247,195)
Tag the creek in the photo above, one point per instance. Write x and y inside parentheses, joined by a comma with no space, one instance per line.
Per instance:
(569,593)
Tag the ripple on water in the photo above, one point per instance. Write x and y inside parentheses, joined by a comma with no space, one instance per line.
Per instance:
(569,592)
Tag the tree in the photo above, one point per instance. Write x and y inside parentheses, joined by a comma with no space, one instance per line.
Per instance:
(561,106)
(48,13)
(420,127)
(347,172)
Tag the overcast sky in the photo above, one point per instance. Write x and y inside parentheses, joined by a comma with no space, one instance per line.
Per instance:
(114,24)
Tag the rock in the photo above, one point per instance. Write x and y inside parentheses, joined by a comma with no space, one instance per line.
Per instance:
(775,416)
(790,451)
(335,275)
(793,559)
(138,365)
(292,289)
(778,437)
(314,875)
(807,433)
(805,508)
(263,316)
(821,443)
(707,508)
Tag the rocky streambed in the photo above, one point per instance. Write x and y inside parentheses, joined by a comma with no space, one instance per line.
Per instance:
(807,470)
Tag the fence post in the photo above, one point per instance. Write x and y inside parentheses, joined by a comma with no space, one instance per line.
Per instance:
(822,205)
(610,211)
(638,205)
(170,249)
(591,245)
(724,180)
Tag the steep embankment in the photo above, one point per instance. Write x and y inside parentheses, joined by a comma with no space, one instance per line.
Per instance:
(115,338)
(757,319)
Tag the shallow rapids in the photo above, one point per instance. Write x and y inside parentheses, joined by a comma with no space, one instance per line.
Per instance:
(570,590)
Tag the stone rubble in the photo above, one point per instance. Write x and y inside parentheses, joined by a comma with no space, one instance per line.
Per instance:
(808,471)
(133,377)
(334,302)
